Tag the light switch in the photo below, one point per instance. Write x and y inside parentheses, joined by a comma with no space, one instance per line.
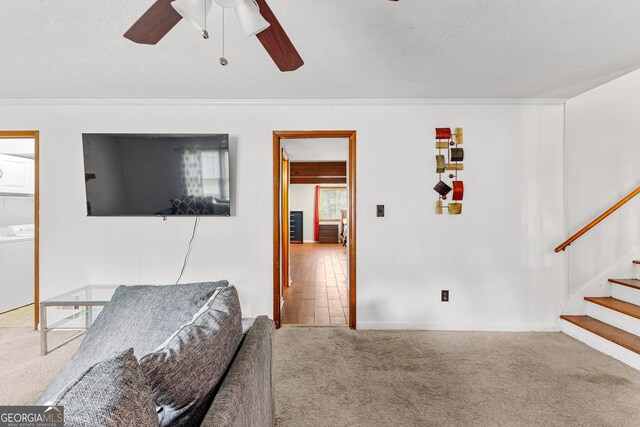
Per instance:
(380,210)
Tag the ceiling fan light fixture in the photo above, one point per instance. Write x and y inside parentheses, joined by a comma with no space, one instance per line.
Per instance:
(194,11)
(249,17)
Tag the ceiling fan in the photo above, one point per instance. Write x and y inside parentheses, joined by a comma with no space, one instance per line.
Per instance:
(255,17)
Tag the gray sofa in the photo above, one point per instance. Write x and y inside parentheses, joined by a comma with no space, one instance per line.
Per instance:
(245,397)
(234,381)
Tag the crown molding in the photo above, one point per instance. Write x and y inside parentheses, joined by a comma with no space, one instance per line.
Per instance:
(277,102)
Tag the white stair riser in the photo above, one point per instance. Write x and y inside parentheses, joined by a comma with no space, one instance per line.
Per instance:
(637,270)
(614,318)
(625,293)
(603,345)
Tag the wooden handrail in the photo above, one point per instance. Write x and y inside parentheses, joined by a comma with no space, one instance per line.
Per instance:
(596,221)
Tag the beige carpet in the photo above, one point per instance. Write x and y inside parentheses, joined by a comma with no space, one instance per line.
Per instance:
(24,374)
(338,377)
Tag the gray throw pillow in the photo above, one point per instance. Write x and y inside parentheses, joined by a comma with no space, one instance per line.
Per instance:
(141,317)
(111,393)
(185,371)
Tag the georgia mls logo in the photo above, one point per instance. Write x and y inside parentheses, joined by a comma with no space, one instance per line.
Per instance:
(31,416)
(56,409)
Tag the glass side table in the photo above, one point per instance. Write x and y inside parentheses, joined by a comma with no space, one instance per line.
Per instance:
(82,302)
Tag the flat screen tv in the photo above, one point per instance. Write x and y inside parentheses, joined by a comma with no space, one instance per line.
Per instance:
(156,174)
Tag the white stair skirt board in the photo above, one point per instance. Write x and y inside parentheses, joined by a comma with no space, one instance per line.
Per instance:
(603,345)
(614,318)
(625,293)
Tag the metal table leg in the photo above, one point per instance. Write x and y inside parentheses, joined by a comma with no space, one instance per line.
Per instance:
(43,330)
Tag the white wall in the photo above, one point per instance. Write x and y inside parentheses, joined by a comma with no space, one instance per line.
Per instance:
(16,257)
(496,259)
(15,210)
(603,163)
(16,279)
(302,198)
(317,149)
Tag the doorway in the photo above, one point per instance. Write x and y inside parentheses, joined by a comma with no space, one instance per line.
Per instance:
(331,263)
(19,227)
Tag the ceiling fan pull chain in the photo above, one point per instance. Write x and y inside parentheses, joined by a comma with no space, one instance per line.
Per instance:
(205,33)
(223,60)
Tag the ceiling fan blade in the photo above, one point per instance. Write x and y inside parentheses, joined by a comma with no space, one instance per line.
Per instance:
(154,24)
(277,43)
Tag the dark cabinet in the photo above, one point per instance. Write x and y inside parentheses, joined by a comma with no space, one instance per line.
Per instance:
(295,226)
(329,233)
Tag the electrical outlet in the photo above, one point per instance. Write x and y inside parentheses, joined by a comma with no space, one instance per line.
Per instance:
(444,296)
(380,210)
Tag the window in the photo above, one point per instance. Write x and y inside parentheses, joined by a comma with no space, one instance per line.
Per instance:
(332,201)
(205,172)
(215,180)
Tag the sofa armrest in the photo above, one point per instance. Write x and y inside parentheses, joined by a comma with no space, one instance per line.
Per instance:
(245,397)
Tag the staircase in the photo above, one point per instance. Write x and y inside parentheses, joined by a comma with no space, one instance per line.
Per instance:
(612,324)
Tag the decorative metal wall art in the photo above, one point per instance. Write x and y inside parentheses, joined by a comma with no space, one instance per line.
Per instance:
(449,158)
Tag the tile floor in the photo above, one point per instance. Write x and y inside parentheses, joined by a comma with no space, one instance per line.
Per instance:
(22,316)
(318,294)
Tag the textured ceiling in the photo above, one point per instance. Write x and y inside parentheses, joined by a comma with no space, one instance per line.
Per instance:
(353,49)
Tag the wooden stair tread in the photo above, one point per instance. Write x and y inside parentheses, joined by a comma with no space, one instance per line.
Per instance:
(632,283)
(616,335)
(636,261)
(616,305)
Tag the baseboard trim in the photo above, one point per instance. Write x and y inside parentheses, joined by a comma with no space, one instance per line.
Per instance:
(475,327)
